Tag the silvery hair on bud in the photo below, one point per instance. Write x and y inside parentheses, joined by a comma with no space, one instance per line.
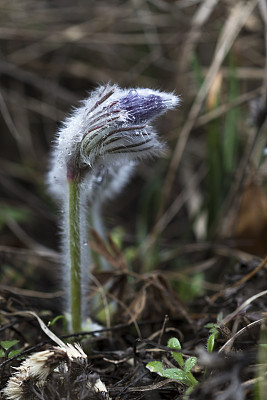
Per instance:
(111,127)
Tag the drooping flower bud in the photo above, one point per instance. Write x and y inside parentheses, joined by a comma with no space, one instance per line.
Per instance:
(121,130)
(111,127)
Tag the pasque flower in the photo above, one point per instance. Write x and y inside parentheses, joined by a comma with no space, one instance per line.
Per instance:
(95,152)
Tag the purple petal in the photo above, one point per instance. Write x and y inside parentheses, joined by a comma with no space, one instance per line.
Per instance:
(142,108)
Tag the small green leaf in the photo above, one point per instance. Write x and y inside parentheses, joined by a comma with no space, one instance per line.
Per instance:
(7,344)
(211,343)
(189,364)
(220,317)
(188,391)
(2,353)
(178,358)
(174,343)
(215,332)
(213,329)
(192,380)
(13,353)
(155,366)
(211,325)
(175,373)
(117,236)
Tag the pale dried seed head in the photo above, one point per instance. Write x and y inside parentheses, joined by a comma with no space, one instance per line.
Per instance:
(39,365)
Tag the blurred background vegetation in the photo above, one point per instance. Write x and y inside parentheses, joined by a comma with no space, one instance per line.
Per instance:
(188,213)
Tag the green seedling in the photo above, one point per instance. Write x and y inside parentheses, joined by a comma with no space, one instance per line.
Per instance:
(182,374)
(214,333)
(5,350)
(56,319)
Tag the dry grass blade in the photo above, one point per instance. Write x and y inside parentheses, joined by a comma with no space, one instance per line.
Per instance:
(224,108)
(226,348)
(128,312)
(52,42)
(31,78)
(240,282)
(242,306)
(44,328)
(30,293)
(198,21)
(112,254)
(153,387)
(251,274)
(170,213)
(8,120)
(236,20)
(263,10)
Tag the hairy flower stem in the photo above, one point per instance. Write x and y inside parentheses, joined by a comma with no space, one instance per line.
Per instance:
(75,255)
